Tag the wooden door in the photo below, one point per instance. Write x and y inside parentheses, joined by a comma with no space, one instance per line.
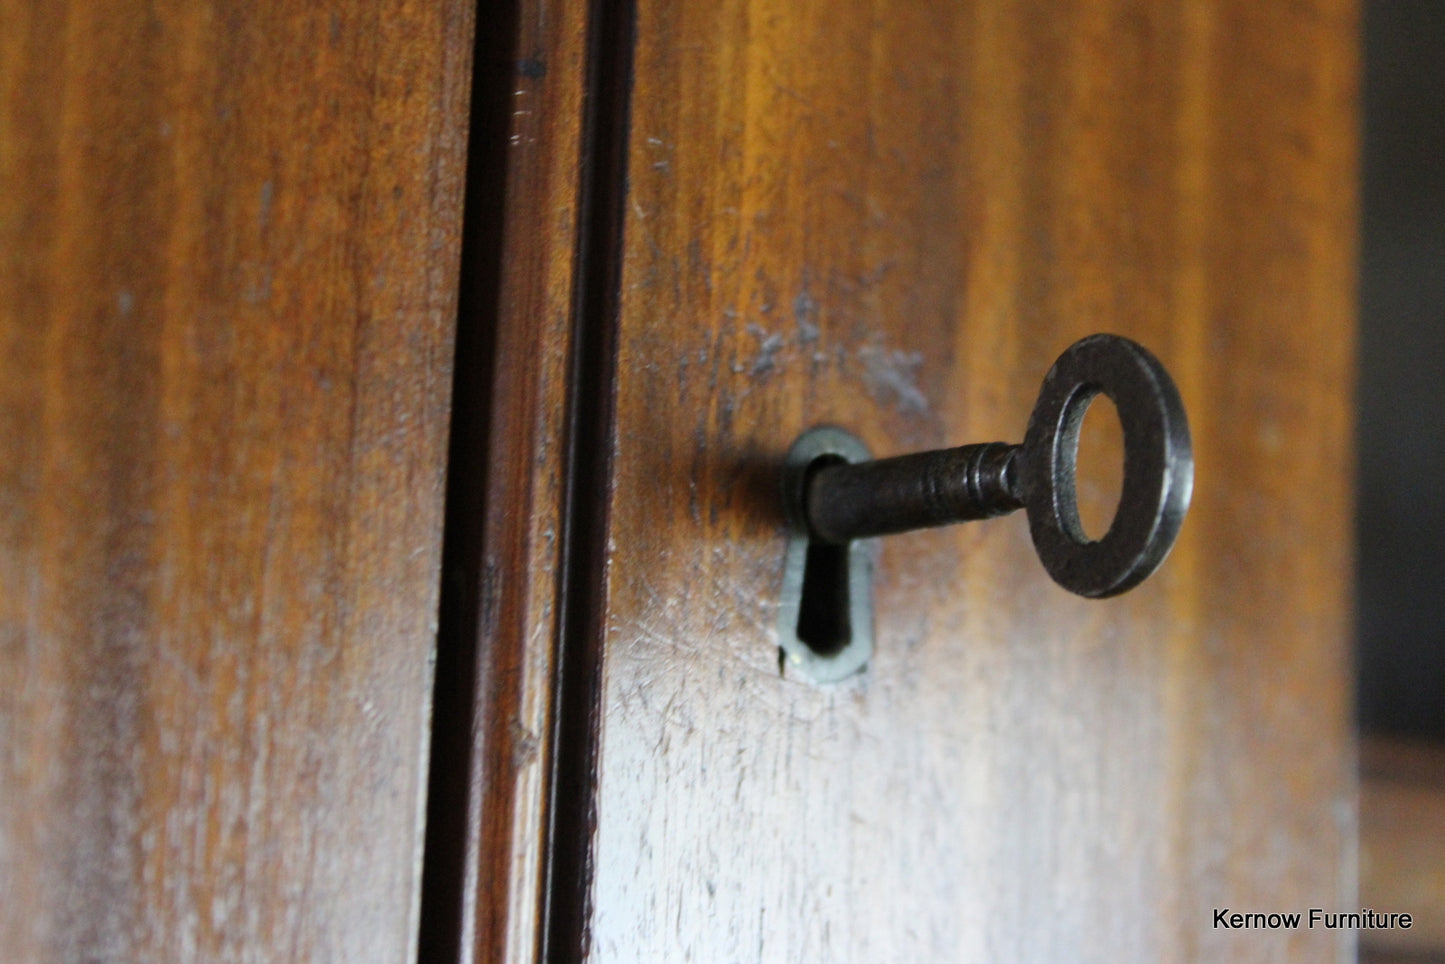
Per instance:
(229,238)
(892,218)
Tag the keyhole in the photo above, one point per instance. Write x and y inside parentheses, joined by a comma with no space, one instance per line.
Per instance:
(825,610)
(1100,475)
(824,621)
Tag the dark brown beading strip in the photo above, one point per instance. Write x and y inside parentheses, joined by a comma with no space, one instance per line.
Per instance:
(591,402)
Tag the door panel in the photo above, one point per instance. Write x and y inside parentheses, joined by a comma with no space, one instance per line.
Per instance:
(892,218)
(228,263)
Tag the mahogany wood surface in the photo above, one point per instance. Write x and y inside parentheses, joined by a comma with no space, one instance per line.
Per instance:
(490,834)
(893,218)
(229,237)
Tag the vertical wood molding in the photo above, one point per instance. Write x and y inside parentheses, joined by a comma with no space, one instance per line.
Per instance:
(489,844)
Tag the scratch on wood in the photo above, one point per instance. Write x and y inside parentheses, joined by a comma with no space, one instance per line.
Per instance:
(805,316)
(893,374)
(769,344)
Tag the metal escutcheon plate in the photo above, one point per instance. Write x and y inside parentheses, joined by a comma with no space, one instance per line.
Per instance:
(852,655)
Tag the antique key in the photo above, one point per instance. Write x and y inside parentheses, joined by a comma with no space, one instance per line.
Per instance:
(835,495)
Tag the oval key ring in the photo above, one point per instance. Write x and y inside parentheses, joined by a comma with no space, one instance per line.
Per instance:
(1158,466)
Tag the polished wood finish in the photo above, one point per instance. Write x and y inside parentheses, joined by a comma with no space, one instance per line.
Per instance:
(489,843)
(893,219)
(229,239)
(1402,846)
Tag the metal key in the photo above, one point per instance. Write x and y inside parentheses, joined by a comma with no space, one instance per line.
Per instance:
(844,501)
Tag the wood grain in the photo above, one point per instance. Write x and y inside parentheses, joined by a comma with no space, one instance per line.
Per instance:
(893,218)
(228,243)
(489,841)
